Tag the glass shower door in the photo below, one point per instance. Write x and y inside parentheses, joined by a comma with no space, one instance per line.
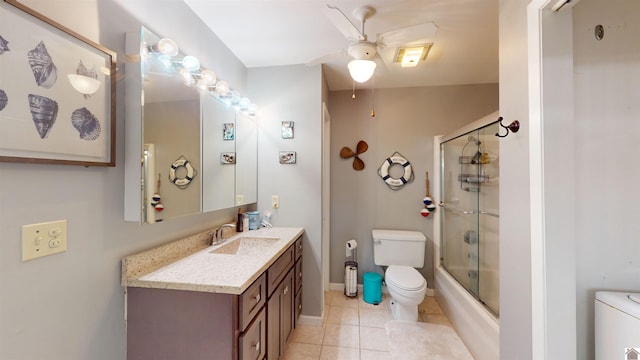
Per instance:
(470,209)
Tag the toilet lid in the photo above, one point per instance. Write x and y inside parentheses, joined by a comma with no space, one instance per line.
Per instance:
(404,277)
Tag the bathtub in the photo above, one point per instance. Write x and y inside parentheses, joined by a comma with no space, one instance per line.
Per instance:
(477,327)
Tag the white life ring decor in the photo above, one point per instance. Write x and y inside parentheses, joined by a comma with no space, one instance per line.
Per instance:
(189,175)
(396,183)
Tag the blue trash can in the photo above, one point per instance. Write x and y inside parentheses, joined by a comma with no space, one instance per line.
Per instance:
(372,288)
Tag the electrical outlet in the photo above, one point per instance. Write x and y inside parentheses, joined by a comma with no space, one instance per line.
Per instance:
(44,239)
(239,199)
(275,201)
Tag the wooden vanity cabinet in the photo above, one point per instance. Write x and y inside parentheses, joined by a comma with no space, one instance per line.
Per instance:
(181,324)
(297,280)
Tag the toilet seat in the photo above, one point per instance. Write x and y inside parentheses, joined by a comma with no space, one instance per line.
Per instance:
(405,278)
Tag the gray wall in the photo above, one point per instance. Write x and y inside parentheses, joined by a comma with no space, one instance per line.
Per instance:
(71,306)
(293,93)
(607,93)
(406,121)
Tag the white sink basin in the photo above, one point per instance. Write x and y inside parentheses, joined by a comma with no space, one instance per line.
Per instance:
(246,245)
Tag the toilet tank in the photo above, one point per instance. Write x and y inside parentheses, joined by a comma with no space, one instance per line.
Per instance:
(617,324)
(398,247)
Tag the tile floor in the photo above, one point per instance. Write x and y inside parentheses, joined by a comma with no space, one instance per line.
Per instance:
(353,329)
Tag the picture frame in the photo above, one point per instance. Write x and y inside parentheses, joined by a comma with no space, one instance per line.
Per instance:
(57,97)
(287,129)
(228,131)
(287,157)
(227,158)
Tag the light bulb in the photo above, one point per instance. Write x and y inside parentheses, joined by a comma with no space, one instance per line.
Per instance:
(187,77)
(191,63)
(167,47)
(166,62)
(235,97)
(222,87)
(208,77)
(244,103)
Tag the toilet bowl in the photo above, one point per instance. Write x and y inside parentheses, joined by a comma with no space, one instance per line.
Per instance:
(407,288)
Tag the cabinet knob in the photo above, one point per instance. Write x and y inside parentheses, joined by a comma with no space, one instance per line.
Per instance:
(257,346)
(258,297)
(286,290)
(300,274)
(300,307)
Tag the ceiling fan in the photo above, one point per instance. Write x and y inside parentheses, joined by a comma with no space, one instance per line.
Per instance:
(365,52)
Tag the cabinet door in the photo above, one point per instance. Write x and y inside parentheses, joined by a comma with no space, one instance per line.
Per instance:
(280,318)
(287,310)
(252,342)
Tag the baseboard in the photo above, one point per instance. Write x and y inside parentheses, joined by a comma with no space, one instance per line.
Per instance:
(340,287)
(310,320)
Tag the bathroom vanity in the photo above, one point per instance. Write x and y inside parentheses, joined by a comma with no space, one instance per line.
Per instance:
(237,300)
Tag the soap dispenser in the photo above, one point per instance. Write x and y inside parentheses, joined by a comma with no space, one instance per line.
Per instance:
(239,222)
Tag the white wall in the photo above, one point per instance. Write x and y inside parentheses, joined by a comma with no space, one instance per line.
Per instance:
(293,93)
(515,251)
(607,98)
(70,306)
(406,121)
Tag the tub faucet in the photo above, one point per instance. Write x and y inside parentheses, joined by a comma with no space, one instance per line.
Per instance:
(218,236)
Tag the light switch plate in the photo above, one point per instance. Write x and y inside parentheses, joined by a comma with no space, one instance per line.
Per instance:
(44,239)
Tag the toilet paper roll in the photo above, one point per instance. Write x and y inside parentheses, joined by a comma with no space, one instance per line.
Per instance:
(351,244)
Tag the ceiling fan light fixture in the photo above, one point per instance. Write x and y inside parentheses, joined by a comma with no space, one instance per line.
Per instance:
(361,70)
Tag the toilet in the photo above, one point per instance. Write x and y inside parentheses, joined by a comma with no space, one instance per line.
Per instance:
(402,252)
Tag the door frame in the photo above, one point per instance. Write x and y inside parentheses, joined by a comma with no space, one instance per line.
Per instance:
(553,245)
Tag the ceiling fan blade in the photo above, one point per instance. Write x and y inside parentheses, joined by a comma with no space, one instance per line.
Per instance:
(325,58)
(382,68)
(407,34)
(342,23)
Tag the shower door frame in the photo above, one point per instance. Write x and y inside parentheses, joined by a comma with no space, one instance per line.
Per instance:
(473,285)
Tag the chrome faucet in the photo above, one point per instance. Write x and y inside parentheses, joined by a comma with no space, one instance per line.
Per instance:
(218,234)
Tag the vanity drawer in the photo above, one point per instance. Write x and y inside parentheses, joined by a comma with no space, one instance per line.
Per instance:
(252,300)
(298,276)
(298,246)
(252,343)
(279,269)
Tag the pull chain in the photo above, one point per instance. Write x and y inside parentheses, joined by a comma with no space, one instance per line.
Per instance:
(353,93)
(373,83)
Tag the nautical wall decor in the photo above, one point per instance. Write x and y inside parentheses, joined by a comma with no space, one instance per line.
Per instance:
(57,101)
(396,182)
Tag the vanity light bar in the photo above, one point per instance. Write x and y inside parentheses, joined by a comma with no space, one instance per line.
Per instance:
(193,74)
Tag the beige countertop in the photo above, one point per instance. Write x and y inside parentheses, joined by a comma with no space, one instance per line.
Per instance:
(189,264)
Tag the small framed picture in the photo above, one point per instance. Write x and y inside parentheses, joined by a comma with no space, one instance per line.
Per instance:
(287,129)
(228,131)
(287,157)
(227,158)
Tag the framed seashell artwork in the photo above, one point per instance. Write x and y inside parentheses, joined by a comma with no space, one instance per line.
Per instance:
(57,95)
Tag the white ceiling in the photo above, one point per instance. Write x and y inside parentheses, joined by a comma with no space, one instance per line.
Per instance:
(287,32)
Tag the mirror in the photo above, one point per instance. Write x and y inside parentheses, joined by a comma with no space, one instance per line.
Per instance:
(186,151)
(247,160)
(218,153)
